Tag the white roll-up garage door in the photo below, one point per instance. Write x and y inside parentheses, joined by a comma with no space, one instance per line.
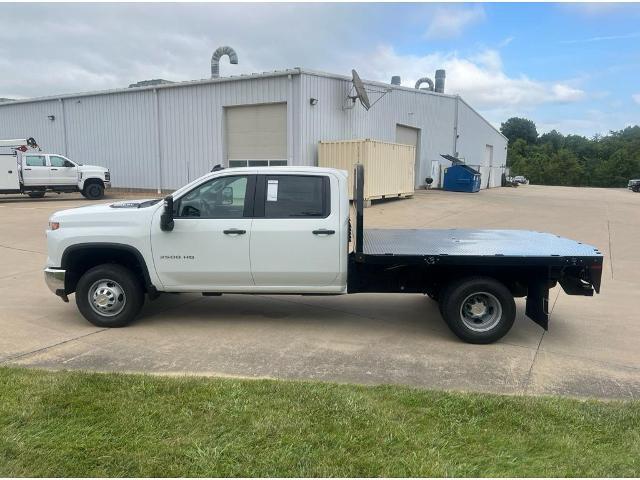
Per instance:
(256,135)
(409,136)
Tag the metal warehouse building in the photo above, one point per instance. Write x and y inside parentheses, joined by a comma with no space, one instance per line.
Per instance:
(162,136)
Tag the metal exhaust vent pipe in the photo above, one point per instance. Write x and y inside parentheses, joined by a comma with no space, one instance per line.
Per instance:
(440,76)
(395,80)
(427,81)
(217,55)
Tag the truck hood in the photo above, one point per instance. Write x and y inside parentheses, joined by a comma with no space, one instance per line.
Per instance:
(106,212)
(92,168)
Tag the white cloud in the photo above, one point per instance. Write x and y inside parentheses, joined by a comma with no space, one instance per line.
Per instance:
(480,78)
(603,38)
(588,123)
(450,22)
(636,98)
(81,47)
(506,41)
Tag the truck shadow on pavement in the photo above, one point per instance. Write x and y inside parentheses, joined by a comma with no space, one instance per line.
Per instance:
(350,317)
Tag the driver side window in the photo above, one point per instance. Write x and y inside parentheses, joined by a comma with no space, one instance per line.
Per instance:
(222,197)
(56,161)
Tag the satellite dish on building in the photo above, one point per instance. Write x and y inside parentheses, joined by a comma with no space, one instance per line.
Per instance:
(362,93)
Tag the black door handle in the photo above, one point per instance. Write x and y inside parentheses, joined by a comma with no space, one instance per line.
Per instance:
(27,169)
(54,169)
(323,232)
(234,231)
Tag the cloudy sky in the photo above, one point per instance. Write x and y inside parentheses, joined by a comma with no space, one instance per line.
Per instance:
(573,67)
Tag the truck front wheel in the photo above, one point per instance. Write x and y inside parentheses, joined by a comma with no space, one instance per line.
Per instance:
(37,194)
(93,191)
(478,310)
(109,295)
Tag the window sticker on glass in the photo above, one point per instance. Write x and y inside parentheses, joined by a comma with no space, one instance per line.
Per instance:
(272,190)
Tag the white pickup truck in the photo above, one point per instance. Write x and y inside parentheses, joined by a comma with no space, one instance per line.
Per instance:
(24,168)
(286,230)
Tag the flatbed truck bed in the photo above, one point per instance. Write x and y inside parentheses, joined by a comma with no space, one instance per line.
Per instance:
(429,261)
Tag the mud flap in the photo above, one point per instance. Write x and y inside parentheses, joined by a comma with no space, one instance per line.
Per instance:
(538,303)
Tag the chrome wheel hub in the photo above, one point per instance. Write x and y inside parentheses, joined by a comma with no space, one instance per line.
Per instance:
(480,311)
(107,297)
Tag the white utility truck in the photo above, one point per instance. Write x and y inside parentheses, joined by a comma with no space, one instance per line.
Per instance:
(24,168)
(286,230)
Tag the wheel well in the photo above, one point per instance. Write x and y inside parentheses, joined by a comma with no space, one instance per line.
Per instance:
(91,181)
(76,261)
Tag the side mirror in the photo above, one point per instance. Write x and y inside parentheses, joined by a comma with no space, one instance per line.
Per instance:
(166,219)
(227,196)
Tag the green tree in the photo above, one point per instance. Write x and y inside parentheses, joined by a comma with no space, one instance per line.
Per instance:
(554,159)
(515,128)
(618,169)
(553,138)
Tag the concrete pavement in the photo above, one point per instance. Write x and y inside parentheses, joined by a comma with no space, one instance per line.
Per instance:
(591,348)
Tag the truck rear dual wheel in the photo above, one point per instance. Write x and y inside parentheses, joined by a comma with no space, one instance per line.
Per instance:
(109,295)
(36,194)
(478,309)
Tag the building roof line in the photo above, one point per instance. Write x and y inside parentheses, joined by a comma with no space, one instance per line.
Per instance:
(253,76)
(483,119)
(186,83)
(318,73)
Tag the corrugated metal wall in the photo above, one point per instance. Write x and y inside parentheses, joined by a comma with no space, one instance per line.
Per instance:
(120,130)
(432,114)
(30,120)
(192,123)
(116,131)
(474,136)
(169,136)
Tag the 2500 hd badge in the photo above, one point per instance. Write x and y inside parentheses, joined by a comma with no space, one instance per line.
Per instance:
(177,257)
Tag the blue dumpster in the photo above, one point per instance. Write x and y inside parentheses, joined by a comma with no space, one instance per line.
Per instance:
(461,178)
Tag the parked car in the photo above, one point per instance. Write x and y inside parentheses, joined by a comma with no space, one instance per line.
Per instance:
(634,185)
(520,179)
(286,230)
(24,168)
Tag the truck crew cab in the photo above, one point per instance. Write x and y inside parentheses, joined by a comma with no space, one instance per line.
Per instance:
(24,168)
(286,230)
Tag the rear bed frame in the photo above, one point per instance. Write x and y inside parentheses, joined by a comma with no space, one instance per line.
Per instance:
(425,261)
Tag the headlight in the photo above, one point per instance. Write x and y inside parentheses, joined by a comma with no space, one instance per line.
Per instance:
(54,225)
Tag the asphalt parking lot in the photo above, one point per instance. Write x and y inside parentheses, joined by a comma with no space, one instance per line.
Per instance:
(592,348)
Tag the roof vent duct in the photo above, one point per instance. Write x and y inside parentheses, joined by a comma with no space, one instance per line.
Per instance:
(440,76)
(217,55)
(427,81)
(395,80)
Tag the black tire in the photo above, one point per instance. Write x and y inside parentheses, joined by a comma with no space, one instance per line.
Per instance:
(93,191)
(487,293)
(110,279)
(36,194)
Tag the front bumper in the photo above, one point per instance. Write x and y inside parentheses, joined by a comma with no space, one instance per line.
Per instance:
(54,278)
(107,185)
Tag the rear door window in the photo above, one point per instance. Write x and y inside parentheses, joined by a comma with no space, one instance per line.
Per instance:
(35,161)
(295,196)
